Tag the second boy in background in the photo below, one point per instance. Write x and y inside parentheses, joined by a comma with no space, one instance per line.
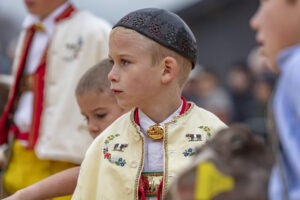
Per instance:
(277,23)
(100,109)
(140,154)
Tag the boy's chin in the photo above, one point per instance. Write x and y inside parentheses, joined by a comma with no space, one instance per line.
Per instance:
(124,105)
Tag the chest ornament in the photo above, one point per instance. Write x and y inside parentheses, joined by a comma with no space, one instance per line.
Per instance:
(155,132)
(119,161)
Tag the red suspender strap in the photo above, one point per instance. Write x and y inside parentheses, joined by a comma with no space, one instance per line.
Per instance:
(38,88)
(4,125)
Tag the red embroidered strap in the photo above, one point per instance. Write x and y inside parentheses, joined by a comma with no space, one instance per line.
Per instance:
(4,125)
(149,183)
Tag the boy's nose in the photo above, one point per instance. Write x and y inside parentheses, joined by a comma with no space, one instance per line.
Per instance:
(254,21)
(112,76)
(93,128)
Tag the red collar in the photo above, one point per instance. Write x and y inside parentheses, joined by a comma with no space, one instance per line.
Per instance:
(184,108)
(66,13)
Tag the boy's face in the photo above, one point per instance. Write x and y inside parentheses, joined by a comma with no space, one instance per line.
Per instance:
(100,110)
(277,23)
(42,8)
(134,79)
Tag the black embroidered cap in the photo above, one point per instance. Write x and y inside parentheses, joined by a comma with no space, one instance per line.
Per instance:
(164,27)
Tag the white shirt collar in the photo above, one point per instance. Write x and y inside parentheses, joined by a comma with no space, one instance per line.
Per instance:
(146,122)
(48,22)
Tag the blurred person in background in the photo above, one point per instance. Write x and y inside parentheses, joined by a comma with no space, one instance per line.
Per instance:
(57,45)
(278,34)
(234,165)
(239,84)
(208,93)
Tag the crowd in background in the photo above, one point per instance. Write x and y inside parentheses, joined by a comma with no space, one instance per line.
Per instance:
(240,95)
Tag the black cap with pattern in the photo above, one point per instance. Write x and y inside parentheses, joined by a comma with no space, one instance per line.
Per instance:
(164,27)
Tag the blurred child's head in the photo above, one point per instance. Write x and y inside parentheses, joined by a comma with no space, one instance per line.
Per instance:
(278,26)
(234,165)
(152,49)
(95,99)
(42,8)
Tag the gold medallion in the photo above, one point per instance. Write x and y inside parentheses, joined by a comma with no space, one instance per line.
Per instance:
(155,132)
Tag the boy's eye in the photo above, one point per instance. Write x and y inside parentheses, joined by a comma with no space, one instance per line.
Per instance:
(100,116)
(125,62)
(111,61)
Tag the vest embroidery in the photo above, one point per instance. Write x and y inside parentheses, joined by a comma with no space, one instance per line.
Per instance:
(119,161)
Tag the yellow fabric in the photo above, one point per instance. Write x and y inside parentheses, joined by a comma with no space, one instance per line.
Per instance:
(109,174)
(210,182)
(25,168)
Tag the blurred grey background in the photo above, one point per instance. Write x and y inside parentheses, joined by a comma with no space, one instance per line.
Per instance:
(221,26)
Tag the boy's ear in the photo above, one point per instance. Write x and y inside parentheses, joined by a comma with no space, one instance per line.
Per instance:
(170,69)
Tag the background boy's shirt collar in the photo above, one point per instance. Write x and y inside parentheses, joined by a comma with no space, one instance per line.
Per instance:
(48,22)
(285,54)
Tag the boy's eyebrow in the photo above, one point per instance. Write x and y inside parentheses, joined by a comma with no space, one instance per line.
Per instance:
(98,108)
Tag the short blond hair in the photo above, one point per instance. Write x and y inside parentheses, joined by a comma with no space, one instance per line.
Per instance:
(159,52)
(95,79)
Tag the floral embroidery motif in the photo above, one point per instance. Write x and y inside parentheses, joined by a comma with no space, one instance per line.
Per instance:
(75,48)
(188,152)
(207,130)
(193,137)
(119,161)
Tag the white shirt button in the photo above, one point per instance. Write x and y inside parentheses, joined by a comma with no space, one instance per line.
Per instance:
(137,137)
(133,164)
(128,190)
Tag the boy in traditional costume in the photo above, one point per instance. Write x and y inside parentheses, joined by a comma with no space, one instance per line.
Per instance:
(139,155)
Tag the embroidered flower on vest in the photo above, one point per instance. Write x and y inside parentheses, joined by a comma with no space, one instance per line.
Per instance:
(119,161)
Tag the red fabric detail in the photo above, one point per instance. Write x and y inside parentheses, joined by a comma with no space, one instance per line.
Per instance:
(18,134)
(159,190)
(146,188)
(4,126)
(183,109)
(66,14)
(38,89)
(142,195)
(136,116)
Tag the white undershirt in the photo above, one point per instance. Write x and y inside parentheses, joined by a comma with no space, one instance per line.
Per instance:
(153,156)
(23,114)
(153,161)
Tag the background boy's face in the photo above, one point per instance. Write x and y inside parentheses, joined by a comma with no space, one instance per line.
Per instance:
(42,8)
(277,23)
(100,110)
(134,79)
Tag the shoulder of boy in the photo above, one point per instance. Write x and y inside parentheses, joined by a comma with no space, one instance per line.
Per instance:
(118,124)
(209,119)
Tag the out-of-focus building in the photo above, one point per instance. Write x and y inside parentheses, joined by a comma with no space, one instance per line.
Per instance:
(222,30)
